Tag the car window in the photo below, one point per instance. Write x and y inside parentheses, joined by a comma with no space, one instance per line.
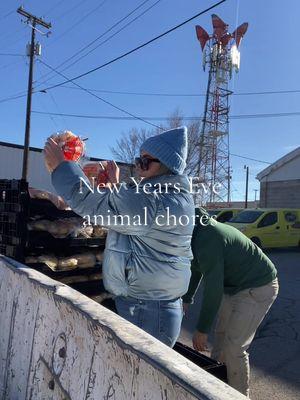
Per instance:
(290,216)
(213,212)
(268,219)
(246,217)
(226,216)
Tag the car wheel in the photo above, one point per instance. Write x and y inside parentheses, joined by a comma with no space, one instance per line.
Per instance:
(256,241)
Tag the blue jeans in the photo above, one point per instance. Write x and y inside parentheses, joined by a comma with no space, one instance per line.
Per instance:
(160,318)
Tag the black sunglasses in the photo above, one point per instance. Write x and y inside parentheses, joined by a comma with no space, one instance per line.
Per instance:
(144,162)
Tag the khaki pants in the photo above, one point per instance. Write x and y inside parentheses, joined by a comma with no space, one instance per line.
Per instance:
(239,317)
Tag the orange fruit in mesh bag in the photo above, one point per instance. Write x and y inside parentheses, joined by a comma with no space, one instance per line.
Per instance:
(73,146)
(96,170)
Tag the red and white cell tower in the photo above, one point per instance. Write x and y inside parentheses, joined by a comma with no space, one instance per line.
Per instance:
(221,55)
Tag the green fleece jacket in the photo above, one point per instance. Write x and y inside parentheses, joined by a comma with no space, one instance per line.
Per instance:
(227,262)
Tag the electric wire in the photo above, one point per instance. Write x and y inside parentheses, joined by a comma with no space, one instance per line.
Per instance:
(136,48)
(113,35)
(53,7)
(9,64)
(95,40)
(251,159)
(8,14)
(14,97)
(58,108)
(10,34)
(103,100)
(153,94)
(157,94)
(235,117)
(42,98)
(70,10)
(75,25)
(11,55)
(21,38)
(123,55)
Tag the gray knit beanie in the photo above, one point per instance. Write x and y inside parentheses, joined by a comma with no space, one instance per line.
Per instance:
(170,147)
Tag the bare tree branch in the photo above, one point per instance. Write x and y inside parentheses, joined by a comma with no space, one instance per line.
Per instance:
(128,146)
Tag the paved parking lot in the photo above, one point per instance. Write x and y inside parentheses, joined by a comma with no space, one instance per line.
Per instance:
(275,351)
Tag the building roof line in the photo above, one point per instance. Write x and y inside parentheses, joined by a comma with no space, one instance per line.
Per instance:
(38,150)
(279,163)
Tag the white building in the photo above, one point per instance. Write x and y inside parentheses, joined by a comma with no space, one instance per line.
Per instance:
(280,182)
(11,162)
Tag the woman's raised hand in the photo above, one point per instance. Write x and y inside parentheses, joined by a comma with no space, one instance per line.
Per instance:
(113,172)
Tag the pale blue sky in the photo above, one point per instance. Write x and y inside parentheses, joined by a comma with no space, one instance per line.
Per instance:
(269,61)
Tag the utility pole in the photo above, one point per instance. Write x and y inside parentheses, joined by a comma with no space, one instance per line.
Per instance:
(32,20)
(255,191)
(247,180)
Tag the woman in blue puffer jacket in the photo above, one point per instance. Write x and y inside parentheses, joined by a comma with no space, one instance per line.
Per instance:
(147,256)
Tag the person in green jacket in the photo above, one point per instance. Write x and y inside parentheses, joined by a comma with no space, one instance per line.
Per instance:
(239,283)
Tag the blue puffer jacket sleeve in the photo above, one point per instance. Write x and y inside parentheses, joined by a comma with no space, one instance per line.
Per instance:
(108,204)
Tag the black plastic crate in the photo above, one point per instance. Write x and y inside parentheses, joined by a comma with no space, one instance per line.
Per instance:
(11,240)
(13,192)
(58,274)
(13,217)
(44,240)
(9,217)
(15,252)
(86,286)
(208,364)
(16,208)
(47,210)
(13,184)
(11,207)
(8,228)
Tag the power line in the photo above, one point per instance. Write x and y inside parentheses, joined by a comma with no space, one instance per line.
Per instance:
(183,94)
(10,64)
(123,55)
(8,14)
(130,22)
(127,118)
(53,118)
(113,35)
(69,10)
(238,116)
(267,92)
(251,159)
(50,116)
(53,7)
(10,34)
(16,96)
(81,19)
(96,39)
(103,100)
(17,40)
(138,47)
(12,55)
(161,94)
(267,115)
